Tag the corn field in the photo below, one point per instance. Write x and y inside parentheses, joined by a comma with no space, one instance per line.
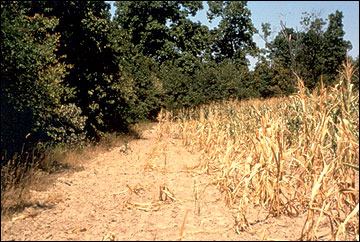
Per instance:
(291,156)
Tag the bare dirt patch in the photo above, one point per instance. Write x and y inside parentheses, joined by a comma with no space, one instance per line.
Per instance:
(146,190)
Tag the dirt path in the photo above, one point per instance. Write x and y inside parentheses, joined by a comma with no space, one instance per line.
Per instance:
(119,192)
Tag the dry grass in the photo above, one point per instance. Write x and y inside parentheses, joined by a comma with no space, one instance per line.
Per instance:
(292,156)
(36,170)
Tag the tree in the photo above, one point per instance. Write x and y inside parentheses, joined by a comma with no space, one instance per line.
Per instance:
(191,43)
(109,74)
(153,26)
(35,100)
(273,74)
(279,48)
(335,45)
(162,31)
(87,42)
(314,51)
(233,37)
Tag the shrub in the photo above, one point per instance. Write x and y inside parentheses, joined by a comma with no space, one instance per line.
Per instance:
(33,96)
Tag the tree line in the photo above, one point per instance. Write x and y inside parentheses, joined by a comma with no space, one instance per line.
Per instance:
(70,72)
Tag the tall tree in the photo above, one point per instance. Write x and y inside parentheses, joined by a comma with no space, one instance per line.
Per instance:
(279,48)
(85,39)
(153,26)
(191,43)
(335,45)
(233,37)
(317,51)
(312,53)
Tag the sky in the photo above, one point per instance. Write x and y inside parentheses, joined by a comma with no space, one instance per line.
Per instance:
(290,12)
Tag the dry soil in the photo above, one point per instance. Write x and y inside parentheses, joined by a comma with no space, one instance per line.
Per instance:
(147,191)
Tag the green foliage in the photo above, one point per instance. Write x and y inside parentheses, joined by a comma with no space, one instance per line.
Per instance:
(262,79)
(233,37)
(112,84)
(146,89)
(334,36)
(146,22)
(136,89)
(279,48)
(191,43)
(85,29)
(316,52)
(185,50)
(271,79)
(32,88)
(222,81)
(209,82)
(177,87)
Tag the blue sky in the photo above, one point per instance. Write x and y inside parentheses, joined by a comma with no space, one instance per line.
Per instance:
(290,12)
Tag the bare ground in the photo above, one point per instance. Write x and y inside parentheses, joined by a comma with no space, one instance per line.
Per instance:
(149,192)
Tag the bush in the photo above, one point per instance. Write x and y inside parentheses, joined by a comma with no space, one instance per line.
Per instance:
(33,96)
